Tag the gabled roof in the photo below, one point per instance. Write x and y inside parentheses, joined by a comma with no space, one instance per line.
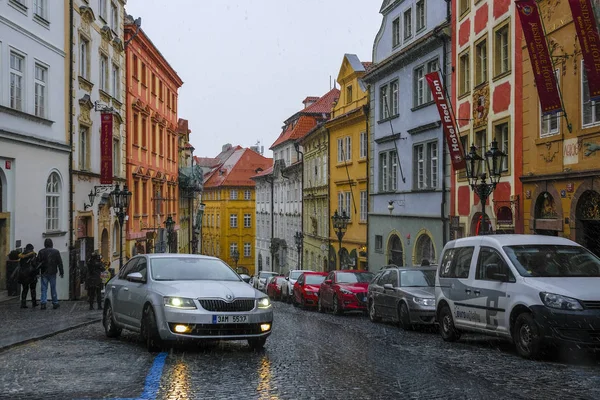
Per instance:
(261,174)
(354,62)
(303,121)
(206,161)
(236,169)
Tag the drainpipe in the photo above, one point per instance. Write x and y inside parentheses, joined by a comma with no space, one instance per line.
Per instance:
(366,111)
(271,180)
(72,268)
(297,146)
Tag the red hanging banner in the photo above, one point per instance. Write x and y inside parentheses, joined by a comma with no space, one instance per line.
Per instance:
(541,64)
(457,154)
(106,156)
(589,40)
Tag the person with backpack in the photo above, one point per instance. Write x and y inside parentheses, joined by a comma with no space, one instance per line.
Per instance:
(50,264)
(28,272)
(93,281)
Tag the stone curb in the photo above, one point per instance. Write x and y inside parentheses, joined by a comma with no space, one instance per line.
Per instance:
(50,334)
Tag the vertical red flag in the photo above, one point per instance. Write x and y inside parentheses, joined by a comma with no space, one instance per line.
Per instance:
(457,154)
(541,64)
(106,156)
(589,40)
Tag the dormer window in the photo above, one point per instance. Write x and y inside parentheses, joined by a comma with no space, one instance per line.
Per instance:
(349,94)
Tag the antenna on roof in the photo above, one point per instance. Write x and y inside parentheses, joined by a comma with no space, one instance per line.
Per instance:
(330,82)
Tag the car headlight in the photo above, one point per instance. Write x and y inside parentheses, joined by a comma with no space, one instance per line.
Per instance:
(561,302)
(181,303)
(346,291)
(424,301)
(264,302)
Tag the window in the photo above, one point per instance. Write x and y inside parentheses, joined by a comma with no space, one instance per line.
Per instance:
(383,173)
(420,166)
(116,157)
(464,141)
(489,264)
(17,67)
(114,17)
(233,194)
(39,8)
(481,67)
(464,6)
(247,250)
(388,171)
(481,141)
(135,66)
(456,263)
(363,206)
(426,166)
(233,221)
(104,73)
(344,149)
(591,109)
(41,78)
(420,15)
(422,94)
(378,243)
(393,156)
(247,195)
(247,220)
(83,58)
(464,75)
(102,9)
(396,32)
(115,82)
(501,133)
(407,24)
(363,145)
(384,108)
(349,94)
(84,133)
(144,75)
(501,50)
(52,202)
(232,249)
(388,100)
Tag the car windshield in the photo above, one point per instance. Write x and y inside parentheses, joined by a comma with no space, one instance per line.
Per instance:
(354,277)
(417,278)
(280,280)
(191,269)
(552,261)
(294,275)
(266,274)
(314,279)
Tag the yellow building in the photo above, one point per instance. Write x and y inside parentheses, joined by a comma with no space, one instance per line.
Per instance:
(561,168)
(348,173)
(230,212)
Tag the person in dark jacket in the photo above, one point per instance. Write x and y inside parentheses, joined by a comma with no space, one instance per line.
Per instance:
(28,272)
(50,264)
(93,281)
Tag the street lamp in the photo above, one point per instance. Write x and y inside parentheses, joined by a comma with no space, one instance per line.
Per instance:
(298,237)
(120,202)
(494,158)
(235,256)
(170,225)
(340,223)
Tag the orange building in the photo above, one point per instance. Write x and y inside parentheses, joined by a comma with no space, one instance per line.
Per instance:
(152,145)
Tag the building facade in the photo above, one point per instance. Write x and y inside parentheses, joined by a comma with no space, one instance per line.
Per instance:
(488,99)
(348,173)
(98,86)
(34,133)
(408,192)
(230,206)
(561,186)
(152,145)
(315,199)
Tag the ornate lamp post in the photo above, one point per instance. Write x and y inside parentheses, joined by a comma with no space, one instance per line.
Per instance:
(235,256)
(478,179)
(170,225)
(340,223)
(120,202)
(298,238)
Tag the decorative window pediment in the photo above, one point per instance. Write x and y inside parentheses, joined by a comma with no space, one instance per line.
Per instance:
(118,44)
(106,33)
(87,13)
(86,102)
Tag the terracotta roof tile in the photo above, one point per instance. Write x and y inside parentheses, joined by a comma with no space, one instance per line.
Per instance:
(237,169)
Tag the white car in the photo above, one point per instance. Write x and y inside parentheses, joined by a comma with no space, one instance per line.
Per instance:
(287,290)
(260,282)
(533,289)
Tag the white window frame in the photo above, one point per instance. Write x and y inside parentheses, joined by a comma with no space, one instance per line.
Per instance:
(104,76)
(247,195)
(348,148)
(503,142)
(393,173)
(482,59)
(116,157)
(420,166)
(433,154)
(41,91)
(232,247)
(419,75)
(394,88)
(247,220)
(17,92)
(384,107)
(407,23)
(396,32)
(84,141)
(348,204)
(102,10)
(40,8)
(420,16)
(233,220)
(593,104)
(116,84)
(84,51)
(363,206)
(114,17)
(363,145)
(233,194)
(53,194)
(546,121)
(383,172)
(247,250)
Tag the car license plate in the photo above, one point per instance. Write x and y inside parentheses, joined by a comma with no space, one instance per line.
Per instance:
(229,319)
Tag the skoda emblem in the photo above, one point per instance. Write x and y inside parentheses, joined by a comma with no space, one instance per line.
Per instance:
(229,297)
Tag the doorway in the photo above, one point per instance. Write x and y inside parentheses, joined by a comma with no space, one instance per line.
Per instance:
(588,221)
(4,250)
(395,251)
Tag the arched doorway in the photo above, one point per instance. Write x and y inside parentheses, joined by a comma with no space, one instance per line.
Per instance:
(353,259)
(104,245)
(588,221)
(479,225)
(395,253)
(344,258)
(332,259)
(546,215)
(424,250)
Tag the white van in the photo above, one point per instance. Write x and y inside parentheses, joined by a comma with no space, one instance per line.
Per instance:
(533,289)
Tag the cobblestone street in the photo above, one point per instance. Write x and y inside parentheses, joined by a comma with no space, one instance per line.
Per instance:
(308,356)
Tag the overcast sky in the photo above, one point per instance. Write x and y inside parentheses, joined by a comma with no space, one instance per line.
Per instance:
(248,64)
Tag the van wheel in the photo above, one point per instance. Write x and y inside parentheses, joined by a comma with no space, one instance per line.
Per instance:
(404,317)
(526,336)
(372,314)
(447,330)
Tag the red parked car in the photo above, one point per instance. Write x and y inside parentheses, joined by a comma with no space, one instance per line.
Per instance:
(306,289)
(344,290)
(274,285)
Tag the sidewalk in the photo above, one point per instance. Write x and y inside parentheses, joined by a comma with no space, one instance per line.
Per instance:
(19,326)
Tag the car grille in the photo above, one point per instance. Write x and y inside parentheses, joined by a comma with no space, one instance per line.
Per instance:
(226,329)
(223,306)
(591,305)
(360,297)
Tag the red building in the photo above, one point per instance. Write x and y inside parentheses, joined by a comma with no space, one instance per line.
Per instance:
(152,144)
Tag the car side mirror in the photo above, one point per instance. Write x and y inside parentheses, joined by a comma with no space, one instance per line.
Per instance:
(245,278)
(136,277)
(388,286)
(287,278)
(328,281)
(501,276)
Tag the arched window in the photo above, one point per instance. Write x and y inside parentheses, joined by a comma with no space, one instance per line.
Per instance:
(424,250)
(52,202)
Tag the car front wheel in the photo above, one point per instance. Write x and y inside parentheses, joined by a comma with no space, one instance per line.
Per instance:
(110,327)
(320,307)
(526,336)
(257,343)
(372,314)
(337,309)
(447,330)
(149,331)
(404,317)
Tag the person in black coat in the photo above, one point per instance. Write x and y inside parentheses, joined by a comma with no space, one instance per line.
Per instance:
(93,282)
(28,272)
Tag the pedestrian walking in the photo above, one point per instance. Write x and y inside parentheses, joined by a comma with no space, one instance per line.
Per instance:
(50,264)
(28,272)
(93,281)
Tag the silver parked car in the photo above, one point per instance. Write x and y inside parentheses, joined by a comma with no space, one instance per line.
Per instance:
(404,295)
(170,297)
(260,281)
